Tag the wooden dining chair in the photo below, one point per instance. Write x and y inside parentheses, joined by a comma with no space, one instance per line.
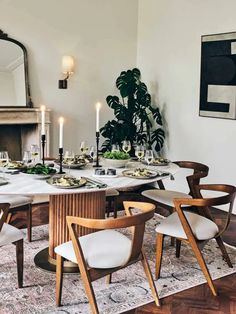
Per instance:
(195,229)
(167,197)
(106,251)
(10,234)
(19,203)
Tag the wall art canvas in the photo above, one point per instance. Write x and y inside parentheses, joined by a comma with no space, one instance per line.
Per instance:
(218,76)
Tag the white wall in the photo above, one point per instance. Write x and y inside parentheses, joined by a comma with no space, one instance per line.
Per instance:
(101,35)
(169,42)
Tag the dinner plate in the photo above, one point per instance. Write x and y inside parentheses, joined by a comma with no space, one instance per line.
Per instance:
(131,173)
(72,166)
(40,176)
(82,181)
(156,163)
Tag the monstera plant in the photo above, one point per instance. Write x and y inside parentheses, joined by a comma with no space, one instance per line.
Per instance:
(136,119)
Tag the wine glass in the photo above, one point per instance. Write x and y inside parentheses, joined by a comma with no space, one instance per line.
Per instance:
(126,146)
(34,149)
(27,157)
(139,152)
(92,152)
(83,147)
(115,148)
(148,156)
(69,158)
(4,159)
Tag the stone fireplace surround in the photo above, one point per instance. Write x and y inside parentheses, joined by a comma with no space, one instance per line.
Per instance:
(20,128)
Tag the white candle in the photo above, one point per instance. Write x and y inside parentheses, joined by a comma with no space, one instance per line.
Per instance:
(98,107)
(61,123)
(42,108)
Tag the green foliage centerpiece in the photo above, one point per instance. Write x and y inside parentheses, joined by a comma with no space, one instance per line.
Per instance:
(136,119)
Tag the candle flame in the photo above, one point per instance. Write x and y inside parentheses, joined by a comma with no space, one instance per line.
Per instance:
(61,120)
(98,106)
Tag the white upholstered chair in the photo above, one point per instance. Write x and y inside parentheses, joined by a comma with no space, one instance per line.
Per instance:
(19,203)
(10,234)
(195,229)
(101,253)
(167,197)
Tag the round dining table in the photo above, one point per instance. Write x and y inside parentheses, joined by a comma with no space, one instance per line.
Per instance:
(87,201)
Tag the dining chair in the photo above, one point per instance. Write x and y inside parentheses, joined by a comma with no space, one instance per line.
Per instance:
(195,229)
(106,251)
(19,203)
(111,196)
(10,234)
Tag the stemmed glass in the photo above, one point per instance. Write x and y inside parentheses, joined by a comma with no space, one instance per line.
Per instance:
(115,148)
(69,157)
(139,152)
(4,159)
(83,147)
(92,152)
(126,146)
(149,156)
(34,149)
(27,157)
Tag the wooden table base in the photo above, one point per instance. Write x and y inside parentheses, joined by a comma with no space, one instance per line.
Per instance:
(89,205)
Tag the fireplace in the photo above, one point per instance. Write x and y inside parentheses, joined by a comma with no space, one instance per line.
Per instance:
(20,128)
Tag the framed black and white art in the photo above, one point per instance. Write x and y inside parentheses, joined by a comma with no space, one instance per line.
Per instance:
(218,76)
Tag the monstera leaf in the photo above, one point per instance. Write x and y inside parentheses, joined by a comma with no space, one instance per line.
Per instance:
(135,117)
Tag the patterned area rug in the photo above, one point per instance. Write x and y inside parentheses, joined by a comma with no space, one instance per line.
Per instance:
(128,290)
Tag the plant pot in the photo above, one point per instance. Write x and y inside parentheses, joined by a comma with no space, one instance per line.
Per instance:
(115,163)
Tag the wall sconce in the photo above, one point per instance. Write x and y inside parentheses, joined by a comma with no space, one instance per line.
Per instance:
(67,69)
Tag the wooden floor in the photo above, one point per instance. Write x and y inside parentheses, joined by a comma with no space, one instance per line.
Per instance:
(198,300)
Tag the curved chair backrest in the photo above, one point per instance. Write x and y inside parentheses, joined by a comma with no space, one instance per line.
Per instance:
(4,208)
(199,171)
(136,221)
(206,203)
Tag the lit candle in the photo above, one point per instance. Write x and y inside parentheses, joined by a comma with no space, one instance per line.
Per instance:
(98,107)
(42,108)
(61,123)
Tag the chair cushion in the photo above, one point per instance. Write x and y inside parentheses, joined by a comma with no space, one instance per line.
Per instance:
(112,192)
(102,249)
(165,196)
(202,227)
(15,200)
(10,234)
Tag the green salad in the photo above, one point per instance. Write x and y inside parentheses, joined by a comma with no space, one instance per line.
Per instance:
(40,169)
(116,155)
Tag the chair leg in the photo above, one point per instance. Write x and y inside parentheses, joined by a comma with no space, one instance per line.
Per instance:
(20,261)
(9,218)
(114,207)
(150,279)
(203,265)
(59,279)
(108,209)
(89,290)
(178,247)
(223,251)
(29,223)
(159,251)
(172,241)
(108,278)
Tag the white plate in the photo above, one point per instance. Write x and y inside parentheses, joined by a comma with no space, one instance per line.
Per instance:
(130,174)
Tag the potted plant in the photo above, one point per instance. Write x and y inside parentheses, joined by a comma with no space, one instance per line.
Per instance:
(136,119)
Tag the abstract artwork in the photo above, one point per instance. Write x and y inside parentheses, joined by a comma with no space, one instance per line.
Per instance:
(218,76)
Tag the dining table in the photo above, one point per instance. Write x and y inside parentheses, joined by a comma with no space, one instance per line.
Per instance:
(88,201)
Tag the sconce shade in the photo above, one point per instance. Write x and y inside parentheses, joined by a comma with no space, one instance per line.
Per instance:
(67,64)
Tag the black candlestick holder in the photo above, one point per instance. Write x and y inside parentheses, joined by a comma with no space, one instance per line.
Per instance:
(43,142)
(60,160)
(97,157)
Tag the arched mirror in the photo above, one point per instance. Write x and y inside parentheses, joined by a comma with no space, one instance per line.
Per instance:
(14,78)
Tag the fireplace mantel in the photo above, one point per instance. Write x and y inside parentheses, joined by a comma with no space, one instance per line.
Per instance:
(22,116)
(20,128)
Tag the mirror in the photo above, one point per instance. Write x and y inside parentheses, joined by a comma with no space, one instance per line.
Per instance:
(14,79)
